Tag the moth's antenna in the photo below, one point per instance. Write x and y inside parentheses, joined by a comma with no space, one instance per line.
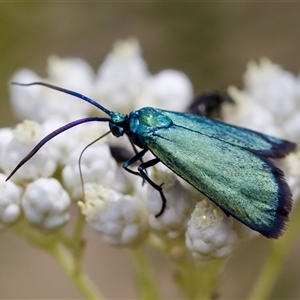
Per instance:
(66,91)
(80,157)
(51,136)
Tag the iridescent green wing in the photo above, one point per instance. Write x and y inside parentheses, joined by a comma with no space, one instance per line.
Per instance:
(243,182)
(256,142)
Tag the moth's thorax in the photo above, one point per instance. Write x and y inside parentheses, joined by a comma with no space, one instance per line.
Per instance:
(144,122)
(148,119)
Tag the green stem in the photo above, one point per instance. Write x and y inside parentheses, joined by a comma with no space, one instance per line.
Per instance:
(77,234)
(76,240)
(208,274)
(80,279)
(34,235)
(146,284)
(198,281)
(69,258)
(279,251)
(195,280)
(75,243)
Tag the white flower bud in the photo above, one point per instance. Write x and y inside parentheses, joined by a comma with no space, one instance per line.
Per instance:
(72,73)
(291,126)
(26,136)
(209,234)
(26,101)
(169,89)
(59,146)
(249,114)
(40,103)
(173,221)
(269,102)
(291,167)
(272,87)
(10,198)
(97,165)
(75,138)
(122,219)
(121,76)
(6,135)
(46,203)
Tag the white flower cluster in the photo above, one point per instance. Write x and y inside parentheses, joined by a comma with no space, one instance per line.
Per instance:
(269,102)
(210,233)
(10,200)
(43,200)
(116,203)
(122,219)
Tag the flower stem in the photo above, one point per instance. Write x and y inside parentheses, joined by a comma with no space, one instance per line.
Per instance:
(67,255)
(146,284)
(76,241)
(279,251)
(198,281)
(34,235)
(80,279)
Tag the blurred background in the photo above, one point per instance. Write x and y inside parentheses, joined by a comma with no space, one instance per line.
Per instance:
(211,43)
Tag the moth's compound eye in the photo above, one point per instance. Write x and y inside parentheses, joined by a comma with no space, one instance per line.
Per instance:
(117,130)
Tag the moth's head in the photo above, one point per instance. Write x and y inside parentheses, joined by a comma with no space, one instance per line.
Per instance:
(118,123)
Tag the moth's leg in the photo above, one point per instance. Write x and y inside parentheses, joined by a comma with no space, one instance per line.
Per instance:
(132,160)
(143,173)
(136,152)
(142,169)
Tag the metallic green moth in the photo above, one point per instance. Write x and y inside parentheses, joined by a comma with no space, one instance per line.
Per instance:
(233,166)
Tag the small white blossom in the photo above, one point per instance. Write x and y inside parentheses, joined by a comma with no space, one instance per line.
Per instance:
(59,147)
(249,114)
(291,167)
(291,127)
(169,89)
(97,165)
(173,221)
(10,196)
(46,203)
(74,138)
(272,87)
(40,103)
(121,76)
(74,74)
(6,135)
(25,137)
(209,234)
(26,102)
(269,102)
(122,219)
